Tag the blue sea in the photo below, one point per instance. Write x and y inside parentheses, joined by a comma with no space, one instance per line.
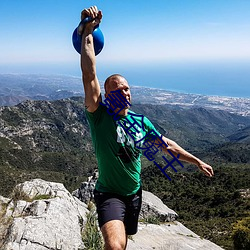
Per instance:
(220,79)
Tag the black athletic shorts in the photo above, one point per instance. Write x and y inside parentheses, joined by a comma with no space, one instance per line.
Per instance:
(117,207)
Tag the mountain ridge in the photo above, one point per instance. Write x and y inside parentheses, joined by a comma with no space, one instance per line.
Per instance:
(54,135)
(51,140)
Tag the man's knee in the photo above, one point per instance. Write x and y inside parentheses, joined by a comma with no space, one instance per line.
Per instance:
(115,245)
(114,235)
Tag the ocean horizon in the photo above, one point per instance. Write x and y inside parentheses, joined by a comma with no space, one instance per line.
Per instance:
(213,79)
(230,80)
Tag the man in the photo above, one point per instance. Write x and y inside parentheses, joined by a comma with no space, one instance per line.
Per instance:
(118,189)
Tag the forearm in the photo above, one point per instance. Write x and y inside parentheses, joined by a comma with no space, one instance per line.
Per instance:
(182,154)
(88,67)
(173,148)
(88,63)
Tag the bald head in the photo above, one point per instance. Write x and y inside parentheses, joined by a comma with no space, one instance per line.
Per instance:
(117,82)
(113,80)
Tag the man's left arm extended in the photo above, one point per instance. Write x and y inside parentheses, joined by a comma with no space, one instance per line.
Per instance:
(176,150)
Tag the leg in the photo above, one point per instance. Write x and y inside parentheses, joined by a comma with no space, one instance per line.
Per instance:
(133,207)
(111,212)
(114,235)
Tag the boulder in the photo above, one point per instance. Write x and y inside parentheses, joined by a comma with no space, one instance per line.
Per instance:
(43,215)
(85,192)
(152,206)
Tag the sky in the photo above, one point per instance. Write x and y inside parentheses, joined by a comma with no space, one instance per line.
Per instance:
(148,40)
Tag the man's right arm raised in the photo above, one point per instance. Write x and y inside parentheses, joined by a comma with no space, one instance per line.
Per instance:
(88,62)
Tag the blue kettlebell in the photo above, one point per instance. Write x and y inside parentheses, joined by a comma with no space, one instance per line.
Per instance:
(98,37)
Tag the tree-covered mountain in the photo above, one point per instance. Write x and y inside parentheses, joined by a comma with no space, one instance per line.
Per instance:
(242,135)
(45,139)
(54,136)
(51,140)
(195,127)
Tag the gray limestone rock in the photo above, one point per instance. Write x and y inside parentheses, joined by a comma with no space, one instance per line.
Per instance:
(153,206)
(44,215)
(169,236)
(85,192)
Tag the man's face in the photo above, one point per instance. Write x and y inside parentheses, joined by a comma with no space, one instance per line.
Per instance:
(118,83)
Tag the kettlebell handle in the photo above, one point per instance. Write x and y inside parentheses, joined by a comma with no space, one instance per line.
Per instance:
(86,20)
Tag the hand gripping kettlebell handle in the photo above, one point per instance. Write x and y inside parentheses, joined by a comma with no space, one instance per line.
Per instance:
(98,37)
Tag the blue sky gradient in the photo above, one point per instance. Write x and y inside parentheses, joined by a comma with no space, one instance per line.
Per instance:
(35,36)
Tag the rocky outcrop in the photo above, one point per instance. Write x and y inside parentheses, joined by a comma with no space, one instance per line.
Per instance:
(152,206)
(85,192)
(168,236)
(43,215)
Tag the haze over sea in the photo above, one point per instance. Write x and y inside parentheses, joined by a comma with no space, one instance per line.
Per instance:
(220,79)
(230,79)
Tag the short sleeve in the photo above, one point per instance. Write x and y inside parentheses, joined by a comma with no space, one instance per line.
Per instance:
(149,126)
(95,117)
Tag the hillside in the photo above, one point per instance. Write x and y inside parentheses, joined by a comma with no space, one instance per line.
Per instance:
(241,136)
(45,139)
(51,140)
(195,127)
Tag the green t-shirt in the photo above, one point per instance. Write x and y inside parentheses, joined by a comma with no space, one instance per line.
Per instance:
(116,149)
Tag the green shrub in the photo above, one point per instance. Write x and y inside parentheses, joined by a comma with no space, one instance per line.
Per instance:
(151,219)
(241,234)
(91,235)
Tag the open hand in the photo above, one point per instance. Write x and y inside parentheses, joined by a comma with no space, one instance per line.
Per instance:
(206,169)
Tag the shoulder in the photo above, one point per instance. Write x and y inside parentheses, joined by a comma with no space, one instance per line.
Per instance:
(100,111)
(100,108)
